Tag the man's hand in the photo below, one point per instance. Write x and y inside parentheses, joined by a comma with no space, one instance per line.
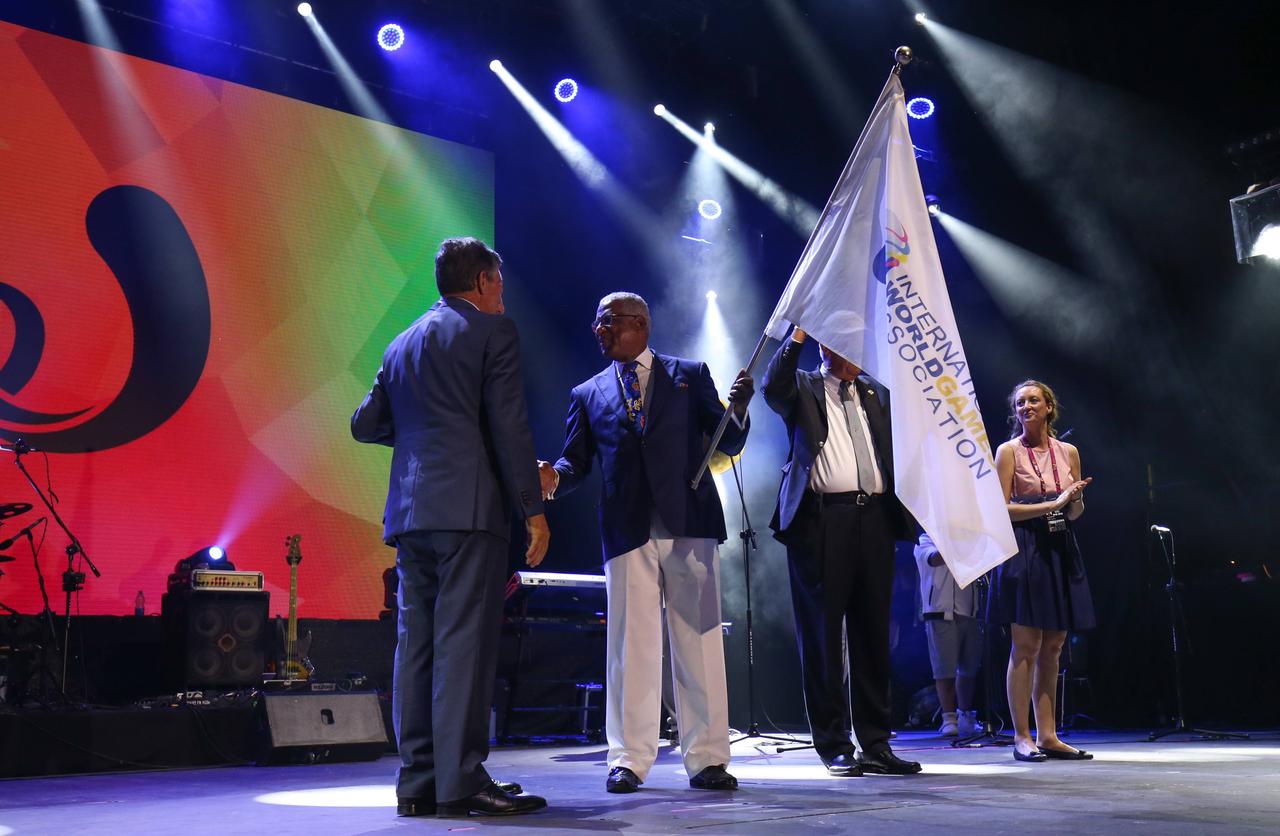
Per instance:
(539,539)
(797,335)
(548,477)
(741,391)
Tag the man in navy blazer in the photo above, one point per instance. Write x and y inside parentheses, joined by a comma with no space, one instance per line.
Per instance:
(838,517)
(449,400)
(647,418)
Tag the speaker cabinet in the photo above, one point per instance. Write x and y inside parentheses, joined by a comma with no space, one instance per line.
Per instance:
(320,727)
(214,639)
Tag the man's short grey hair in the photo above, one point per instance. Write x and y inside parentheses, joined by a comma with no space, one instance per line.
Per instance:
(632,301)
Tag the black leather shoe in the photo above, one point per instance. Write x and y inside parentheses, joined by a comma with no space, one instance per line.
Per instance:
(491,801)
(415,807)
(844,765)
(713,778)
(885,762)
(622,779)
(509,787)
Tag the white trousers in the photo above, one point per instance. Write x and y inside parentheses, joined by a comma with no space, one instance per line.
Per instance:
(684,572)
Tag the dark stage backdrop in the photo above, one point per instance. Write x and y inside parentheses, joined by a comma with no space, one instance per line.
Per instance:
(198,280)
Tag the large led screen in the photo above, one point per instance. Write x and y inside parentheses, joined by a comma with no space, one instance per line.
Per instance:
(197,280)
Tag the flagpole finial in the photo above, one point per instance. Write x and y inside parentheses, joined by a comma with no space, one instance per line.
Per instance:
(902,55)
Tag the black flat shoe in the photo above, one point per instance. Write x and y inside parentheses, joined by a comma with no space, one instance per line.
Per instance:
(844,766)
(714,778)
(1037,756)
(885,762)
(415,807)
(1059,755)
(622,779)
(491,801)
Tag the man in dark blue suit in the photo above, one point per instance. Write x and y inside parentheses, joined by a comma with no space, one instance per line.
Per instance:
(449,399)
(838,517)
(647,418)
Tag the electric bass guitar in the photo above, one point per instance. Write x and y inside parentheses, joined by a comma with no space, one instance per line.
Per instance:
(297,665)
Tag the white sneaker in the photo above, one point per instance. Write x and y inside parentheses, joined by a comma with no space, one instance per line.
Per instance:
(967,722)
(948,727)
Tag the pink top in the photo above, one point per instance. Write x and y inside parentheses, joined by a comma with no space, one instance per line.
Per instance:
(1025,481)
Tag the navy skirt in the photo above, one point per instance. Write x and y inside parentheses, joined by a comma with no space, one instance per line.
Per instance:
(1044,584)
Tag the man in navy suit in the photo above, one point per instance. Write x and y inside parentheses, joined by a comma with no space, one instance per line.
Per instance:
(449,399)
(838,517)
(647,418)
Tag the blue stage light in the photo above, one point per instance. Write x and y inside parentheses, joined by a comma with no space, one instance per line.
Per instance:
(709,209)
(566,90)
(216,553)
(931,203)
(711,296)
(391,37)
(920,108)
(304,9)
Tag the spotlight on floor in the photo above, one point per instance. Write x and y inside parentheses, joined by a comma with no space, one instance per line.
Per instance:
(566,90)
(921,17)
(711,296)
(659,110)
(709,209)
(304,9)
(391,37)
(931,203)
(920,108)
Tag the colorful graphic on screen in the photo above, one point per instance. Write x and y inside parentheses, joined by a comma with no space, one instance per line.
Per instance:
(197,280)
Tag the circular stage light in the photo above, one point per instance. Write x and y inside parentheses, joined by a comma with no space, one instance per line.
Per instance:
(566,90)
(921,17)
(920,108)
(711,296)
(709,209)
(931,203)
(304,9)
(659,110)
(216,553)
(710,127)
(495,65)
(391,37)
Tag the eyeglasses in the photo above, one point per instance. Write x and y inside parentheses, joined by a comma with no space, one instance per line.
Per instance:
(606,320)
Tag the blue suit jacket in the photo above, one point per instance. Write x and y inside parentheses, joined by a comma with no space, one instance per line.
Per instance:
(642,474)
(449,399)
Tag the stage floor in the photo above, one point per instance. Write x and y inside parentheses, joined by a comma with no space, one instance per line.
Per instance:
(1171,787)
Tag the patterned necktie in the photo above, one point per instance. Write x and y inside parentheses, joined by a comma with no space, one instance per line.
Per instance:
(632,395)
(861,450)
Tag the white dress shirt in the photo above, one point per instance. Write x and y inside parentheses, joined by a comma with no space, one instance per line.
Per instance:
(836,468)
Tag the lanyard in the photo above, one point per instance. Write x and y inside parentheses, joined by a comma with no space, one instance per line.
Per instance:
(1053,462)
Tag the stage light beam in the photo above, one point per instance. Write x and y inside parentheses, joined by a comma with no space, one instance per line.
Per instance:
(304,9)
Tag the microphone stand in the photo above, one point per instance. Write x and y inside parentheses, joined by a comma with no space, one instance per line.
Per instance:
(747,536)
(1175,612)
(72,581)
(988,736)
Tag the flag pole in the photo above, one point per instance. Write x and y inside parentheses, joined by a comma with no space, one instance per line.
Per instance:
(724,419)
(901,56)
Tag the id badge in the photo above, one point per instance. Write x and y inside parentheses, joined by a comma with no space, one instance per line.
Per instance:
(1057,521)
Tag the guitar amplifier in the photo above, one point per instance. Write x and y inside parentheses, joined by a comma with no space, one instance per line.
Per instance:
(214,639)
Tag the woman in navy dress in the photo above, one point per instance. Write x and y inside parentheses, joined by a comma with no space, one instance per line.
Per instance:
(1042,591)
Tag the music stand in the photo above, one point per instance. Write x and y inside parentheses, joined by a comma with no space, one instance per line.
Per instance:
(1165,537)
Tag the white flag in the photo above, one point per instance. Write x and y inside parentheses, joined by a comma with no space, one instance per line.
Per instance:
(869,286)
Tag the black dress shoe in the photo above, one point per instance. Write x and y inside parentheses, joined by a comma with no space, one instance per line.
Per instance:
(714,778)
(1067,754)
(1031,757)
(885,762)
(509,787)
(844,765)
(491,801)
(415,807)
(622,779)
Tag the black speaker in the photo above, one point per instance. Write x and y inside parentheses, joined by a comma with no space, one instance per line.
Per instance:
(214,638)
(320,727)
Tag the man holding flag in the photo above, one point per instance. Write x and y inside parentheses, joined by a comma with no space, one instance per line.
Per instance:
(869,288)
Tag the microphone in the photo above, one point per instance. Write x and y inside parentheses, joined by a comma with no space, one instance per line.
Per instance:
(1159,529)
(4,544)
(19,447)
